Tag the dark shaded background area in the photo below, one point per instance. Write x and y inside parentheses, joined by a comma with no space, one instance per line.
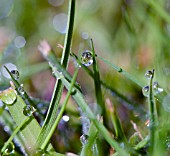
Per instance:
(130,33)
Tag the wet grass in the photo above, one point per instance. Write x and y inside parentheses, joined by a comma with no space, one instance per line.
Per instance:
(109,131)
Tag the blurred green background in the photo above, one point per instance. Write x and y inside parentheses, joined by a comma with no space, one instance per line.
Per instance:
(132,34)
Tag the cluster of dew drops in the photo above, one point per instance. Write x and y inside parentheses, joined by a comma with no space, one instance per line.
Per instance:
(155,86)
(28,110)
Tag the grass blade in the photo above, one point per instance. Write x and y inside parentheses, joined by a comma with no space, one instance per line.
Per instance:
(120,70)
(97,82)
(29,135)
(53,108)
(61,111)
(78,97)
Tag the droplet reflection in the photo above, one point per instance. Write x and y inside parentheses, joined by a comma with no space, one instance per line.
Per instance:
(15,74)
(87,58)
(145,91)
(10,149)
(83,139)
(28,110)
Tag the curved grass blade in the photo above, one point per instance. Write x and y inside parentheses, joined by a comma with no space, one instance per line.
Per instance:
(53,108)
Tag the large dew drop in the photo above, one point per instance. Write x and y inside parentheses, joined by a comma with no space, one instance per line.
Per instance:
(28,110)
(84,139)
(10,66)
(145,91)
(8,96)
(87,58)
(10,149)
(15,74)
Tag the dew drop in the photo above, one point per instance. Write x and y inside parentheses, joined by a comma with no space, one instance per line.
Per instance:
(73,91)
(28,110)
(8,96)
(10,66)
(40,152)
(145,91)
(15,74)
(168,143)
(84,139)
(21,89)
(156,88)
(87,58)
(60,75)
(10,149)
(148,74)
(76,64)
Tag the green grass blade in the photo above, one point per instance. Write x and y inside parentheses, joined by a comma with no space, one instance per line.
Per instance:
(153,121)
(53,108)
(123,72)
(97,82)
(14,133)
(61,111)
(78,97)
(92,136)
(158,9)
(29,135)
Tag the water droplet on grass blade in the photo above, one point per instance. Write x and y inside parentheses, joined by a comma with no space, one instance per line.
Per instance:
(84,139)
(15,74)
(40,152)
(10,149)
(156,88)
(73,92)
(148,74)
(145,91)
(21,89)
(8,96)
(10,67)
(28,110)
(87,58)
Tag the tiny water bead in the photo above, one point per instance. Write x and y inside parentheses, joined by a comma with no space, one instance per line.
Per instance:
(28,110)
(156,88)
(8,96)
(21,89)
(73,92)
(84,139)
(145,91)
(15,74)
(10,149)
(148,74)
(41,152)
(87,58)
